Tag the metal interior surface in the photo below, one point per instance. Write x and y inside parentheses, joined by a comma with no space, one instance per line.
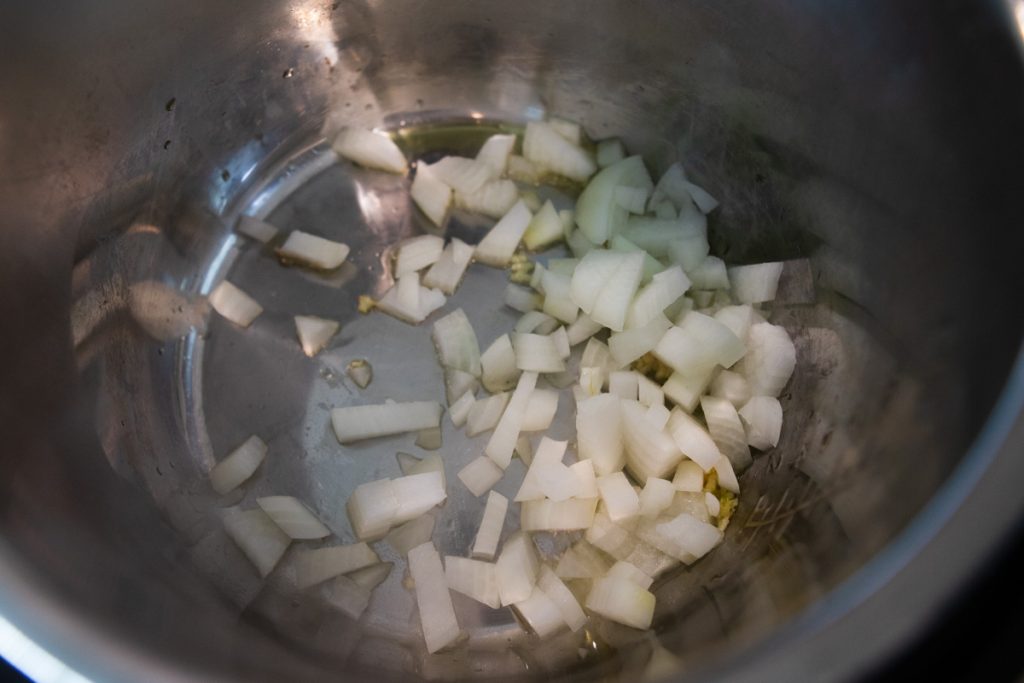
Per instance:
(879,142)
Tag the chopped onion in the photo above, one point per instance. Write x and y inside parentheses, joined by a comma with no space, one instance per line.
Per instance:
(540,410)
(727,430)
(685,391)
(294,518)
(493,199)
(665,209)
(687,537)
(557,299)
(565,515)
(360,371)
(757,283)
(257,536)
(582,561)
(543,145)
(597,212)
(430,463)
(457,383)
(710,274)
(370,149)
(531,321)
(495,152)
(498,364)
(487,536)
(522,299)
(376,506)
(524,449)
(599,433)
(672,186)
(701,197)
(689,477)
(714,505)
(485,413)
(561,339)
(461,174)
(313,251)
(431,194)
(628,345)
(503,440)
(372,576)
(771,359)
(657,415)
(537,353)
(234,304)
(594,270)
(618,541)
(624,384)
(397,300)
(567,129)
(612,304)
(316,566)
(693,440)
(762,417)
(649,393)
(525,171)
(254,228)
(562,597)
(540,613)
(517,569)
(355,423)
(473,578)
(314,333)
(731,386)
(417,493)
(650,303)
(406,461)
(429,439)
(656,236)
(622,601)
(726,475)
(698,344)
(547,465)
(618,495)
(652,266)
(239,465)
(446,274)
(632,199)
(545,228)
(630,572)
(591,381)
(498,245)
(578,244)
(736,318)
(649,452)
(480,475)
(657,495)
(597,355)
(459,411)
(581,329)
(437,616)
(417,253)
(609,152)
(407,291)
(456,343)
(347,596)
(413,533)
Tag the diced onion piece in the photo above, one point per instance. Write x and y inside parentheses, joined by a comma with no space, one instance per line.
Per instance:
(531,321)
(372,508)
(446,274)
(485,413)
(347,596)
(714,505)
(609,152)
(624,384)
(726,475)
(495,152)
(632,199)
(597,212)
(437,616)
(543,145)
(413,533)
(672,186)
(693,440)
(413,309)
(731,386)
(294,518)
(649,452)
(545,228)
(517,569)
(657,495)
(257,536)
(622,601)
(685,391)
(618,495)
(665,209)
(701,197)
(498,363)
(582,328)
(540,410)
(688,537)
(430,463)
(586,479)
(689,477)
(563,599)
(239,465)
(657,415)
(618,541)
(407,292)
(459,411)
(599,433)
(557,299)
(653,299)
(698,344)
(537,353)
(630,344)
(612,304)
(461,174)
(652,266)
(417,493)
(431,195)
(762,417)
(493,199)
(736,318)
(417,253)
(630,572)
(456,343)
(313,251)
(540,613)
(597,355)
(370,149)
(591,381)
(561,339)
(592,273)
(567,129)
(657,236)
(524,449)
(473,578)
(771,359)
(458,382)
(578,244)
(254,228)
(234,304)
(649,393)
(503,440)
(726,430)
(372,576)
(710,274)
(582,561)
(354,423)
(314,333)
(316,566)
(755,284)
(547,464)
(525,171)
(522,299)
(487,536)
(480,475)
(564,515)
(498,245)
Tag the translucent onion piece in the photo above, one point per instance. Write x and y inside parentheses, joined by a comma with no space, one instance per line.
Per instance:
(582,329)
(731,386)
(622,601)
(567,129)
(314,333)
(417,253)
(762,418)
(597,212)
(498,245)
(457,383)
(498,364)
(503,440)
(543,145)
(610,151)
(522,299)
(446,274)
(582,561)
(493,199)
(618,541)
(431,195)
(613,302)
(557,300)
(257,536)
(586,479)
(649,452)
(485,413)
(755,284)
(525,171)
(370,149)
(234,304)
(456,344)
(630,572)
(726,475)
(624,384)
(480,475)
(354,423)
(591,381)
(495,153)
(397,303)
(347,596)
(657,495)
(372,576)
(649,393)
(736,318)
(487,536)
(517,569)
(437,616)
(686,537)
(672,186)
(316,566)
(459,411)
(540,410)
(713,504)
(726,430)
(461,174)
(659,237)
(372,508)
(701,197)
(599,433)
(592,272)
(473,578)
(239,465)
(547,464)
(693,440)
(710,274)
(545,228)
(652,266)
(313,251)
(413,533)
(524,449)
(689,477)
(540,613)
(564,515)
(254,228)
(628,345)
(651,301)
(530,321)
(294,518)
(562,597)
(537,353)
(619,498)
(632,199)
(597,355)
(685,391)
(771,359)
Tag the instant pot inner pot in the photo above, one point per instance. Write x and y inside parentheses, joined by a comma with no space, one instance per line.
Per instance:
(831,137)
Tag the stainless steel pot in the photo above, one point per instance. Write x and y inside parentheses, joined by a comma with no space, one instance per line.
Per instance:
(880,141)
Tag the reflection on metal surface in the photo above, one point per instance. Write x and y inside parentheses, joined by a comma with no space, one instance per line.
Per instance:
(33,661)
